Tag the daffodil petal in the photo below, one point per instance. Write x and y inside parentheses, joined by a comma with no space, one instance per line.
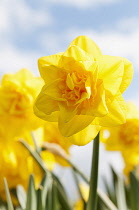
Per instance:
(49,60)
(117,113)
(49,73)
(87,45)
(76,124)
(128,75)
(97,107)
(67,112)
(85,136)
(53,91)
(45,103)
(21,77)
(111,70)
(78,54)
(53,117)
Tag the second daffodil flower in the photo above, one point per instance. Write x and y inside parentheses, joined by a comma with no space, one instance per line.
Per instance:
(83,89)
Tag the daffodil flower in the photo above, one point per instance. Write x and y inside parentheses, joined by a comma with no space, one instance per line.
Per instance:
(83,90)
(17,95)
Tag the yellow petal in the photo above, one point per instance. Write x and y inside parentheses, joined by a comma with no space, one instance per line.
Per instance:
(76,124)
(53,117)
(97,106)
(66,112)
(85,136)
(49,60)
(87,45)
(110,137)
(49,73)
(70,64)
(128,75)
(117,113)
(70,82)
(45,106)
(78,54)
(111,70)
(53,90)
(19,78)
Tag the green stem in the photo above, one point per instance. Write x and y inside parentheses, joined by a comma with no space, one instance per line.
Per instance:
(104,198)
(92,201)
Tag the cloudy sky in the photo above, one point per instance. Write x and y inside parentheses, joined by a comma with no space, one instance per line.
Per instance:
(30,29)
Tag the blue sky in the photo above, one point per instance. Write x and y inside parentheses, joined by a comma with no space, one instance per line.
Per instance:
(30,29)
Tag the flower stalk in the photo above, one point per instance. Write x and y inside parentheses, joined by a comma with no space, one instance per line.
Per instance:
(92,201)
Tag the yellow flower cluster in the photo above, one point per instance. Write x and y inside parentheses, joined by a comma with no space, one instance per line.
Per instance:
(83,90)
(125,138)
(17,120)
(79,205)
(17,95)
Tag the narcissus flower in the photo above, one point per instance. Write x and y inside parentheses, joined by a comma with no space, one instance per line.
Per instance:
(83,87)
(131,160)
(124,138)
(79,205)
(16,164)
(17,95)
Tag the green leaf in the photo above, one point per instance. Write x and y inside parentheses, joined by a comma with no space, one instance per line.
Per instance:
(55,200)
(31,195)
(120,194)
(134,192)
(9,201)
(49,205)
(62,198)
(45,184)
(78,187)
(39,199)
(21,195)
(60,186)
(92,201)
(3,207)
(106,201)
(37,148)
(114,177)
(110,190)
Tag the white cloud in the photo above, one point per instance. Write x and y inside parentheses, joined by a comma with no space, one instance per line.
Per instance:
(19,14)
(12,60)
(84,3)
(129,24)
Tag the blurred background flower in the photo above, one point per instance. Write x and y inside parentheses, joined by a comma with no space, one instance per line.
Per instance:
(18,122)
(125,138)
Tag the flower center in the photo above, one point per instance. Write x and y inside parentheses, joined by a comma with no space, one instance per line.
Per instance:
(77,87)
(129,132)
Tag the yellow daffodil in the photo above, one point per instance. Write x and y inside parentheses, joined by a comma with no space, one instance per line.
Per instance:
(83,88)
(79,205)
(131,160)
(16,165)
(125,137)
(17,95)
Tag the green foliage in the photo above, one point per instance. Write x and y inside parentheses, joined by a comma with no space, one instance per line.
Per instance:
(125,196)
(51,194)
